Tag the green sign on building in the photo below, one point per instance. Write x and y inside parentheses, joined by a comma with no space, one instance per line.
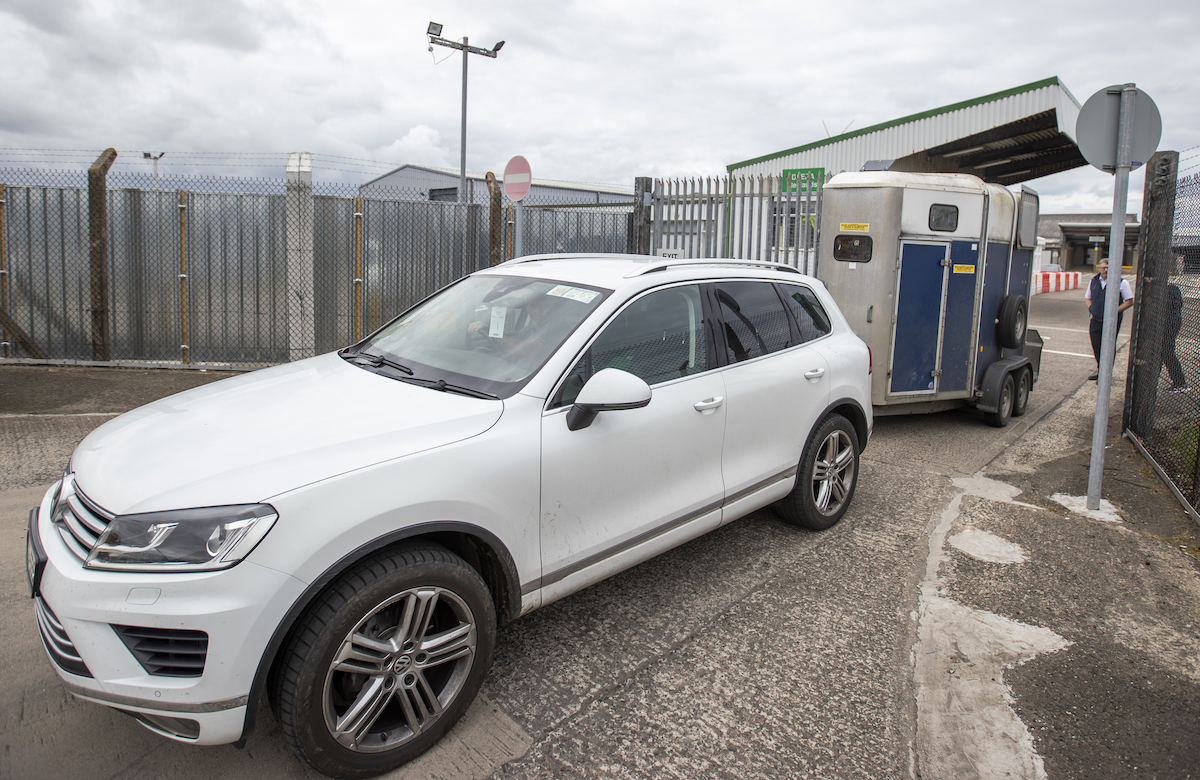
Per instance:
(808,178)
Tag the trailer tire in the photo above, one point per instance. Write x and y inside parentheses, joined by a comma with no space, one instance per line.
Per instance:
(1004,404)
(1010,325)
(1024,383)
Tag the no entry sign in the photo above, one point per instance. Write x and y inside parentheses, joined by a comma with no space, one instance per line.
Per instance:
(517,178)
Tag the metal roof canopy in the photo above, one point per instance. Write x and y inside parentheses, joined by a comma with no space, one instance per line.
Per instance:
(1004,138)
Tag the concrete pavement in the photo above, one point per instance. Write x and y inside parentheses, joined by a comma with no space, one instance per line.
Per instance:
(959,622)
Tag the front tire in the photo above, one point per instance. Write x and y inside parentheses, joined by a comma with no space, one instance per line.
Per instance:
(385,661)
(827,476)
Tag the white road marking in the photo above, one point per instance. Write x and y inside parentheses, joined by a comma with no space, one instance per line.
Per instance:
(1072,354)
(1052,327)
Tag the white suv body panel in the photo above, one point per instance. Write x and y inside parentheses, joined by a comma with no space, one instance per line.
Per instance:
(349,459)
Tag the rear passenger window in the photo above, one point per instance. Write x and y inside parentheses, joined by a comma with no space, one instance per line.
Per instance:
(810,315)
(658,337)
(754,319)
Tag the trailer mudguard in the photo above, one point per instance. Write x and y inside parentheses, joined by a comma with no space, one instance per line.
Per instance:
(993,381)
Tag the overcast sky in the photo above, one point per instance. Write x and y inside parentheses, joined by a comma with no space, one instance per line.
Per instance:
(587,91)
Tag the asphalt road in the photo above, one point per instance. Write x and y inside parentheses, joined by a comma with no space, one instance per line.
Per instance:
(958,623)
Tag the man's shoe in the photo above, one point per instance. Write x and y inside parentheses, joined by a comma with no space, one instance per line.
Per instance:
(1094,376)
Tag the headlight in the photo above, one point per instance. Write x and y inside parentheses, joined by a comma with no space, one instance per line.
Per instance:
(182,539)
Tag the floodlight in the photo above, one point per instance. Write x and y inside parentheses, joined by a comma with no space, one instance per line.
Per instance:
(146,155)
(435,29)
(498,46)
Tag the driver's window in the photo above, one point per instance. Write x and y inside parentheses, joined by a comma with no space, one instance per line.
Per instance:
(658,337)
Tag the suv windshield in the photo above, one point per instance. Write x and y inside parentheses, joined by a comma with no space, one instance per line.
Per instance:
(488,334)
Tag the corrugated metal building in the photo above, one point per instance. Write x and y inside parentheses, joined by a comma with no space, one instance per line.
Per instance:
(1004,138)
(441,184)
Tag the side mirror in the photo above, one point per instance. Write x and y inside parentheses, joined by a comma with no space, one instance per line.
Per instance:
(608,390)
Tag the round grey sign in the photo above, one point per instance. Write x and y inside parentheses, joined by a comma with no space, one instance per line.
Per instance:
(1096,128)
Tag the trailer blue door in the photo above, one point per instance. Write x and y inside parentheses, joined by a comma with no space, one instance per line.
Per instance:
(957,332)
(918,318)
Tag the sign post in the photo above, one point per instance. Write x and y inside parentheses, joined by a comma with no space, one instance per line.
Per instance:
(1118,129)
(517,179)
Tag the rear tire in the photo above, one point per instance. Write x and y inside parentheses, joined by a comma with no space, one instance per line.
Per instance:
(1004,407)
(1024,385)
(385,661)
(827,476)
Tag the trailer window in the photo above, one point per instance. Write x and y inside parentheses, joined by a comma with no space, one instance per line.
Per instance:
(943,218)
(852,249)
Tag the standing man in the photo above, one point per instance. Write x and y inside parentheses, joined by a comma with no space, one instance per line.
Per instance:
(1095,304)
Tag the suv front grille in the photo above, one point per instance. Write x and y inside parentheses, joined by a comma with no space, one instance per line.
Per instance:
(79,521)
(166,652)
(57,643)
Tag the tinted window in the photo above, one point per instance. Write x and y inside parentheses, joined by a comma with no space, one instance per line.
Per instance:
(807,310)
(943,218)
(754,320)
(852,249)
(658,337)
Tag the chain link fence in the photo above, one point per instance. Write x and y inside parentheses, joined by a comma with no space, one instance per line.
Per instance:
(129,267)
(1162,408)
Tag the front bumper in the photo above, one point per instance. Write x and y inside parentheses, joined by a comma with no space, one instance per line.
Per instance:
(238,609)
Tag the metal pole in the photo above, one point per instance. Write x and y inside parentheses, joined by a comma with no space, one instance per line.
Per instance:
(520,231)
(462,153)
(183,278)
(462,148)
(1112,294)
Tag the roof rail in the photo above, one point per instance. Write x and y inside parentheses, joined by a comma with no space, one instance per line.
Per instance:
(662,265)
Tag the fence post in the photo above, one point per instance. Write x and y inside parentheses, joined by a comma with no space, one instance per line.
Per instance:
(3,269)
(643,186)
(358,269)
(299,220)
(1154,268)
(183,278)
(98,251)
(494,218)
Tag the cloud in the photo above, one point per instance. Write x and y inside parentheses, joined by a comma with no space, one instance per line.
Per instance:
(421,145)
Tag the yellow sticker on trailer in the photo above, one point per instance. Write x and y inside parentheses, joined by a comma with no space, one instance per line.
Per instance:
(964,269)
(854,227)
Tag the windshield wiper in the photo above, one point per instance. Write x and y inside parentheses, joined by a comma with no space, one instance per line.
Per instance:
(446,387)
(376,360)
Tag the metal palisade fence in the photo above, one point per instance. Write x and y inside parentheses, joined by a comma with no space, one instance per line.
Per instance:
(772,218)
(121,267)
(1162,397)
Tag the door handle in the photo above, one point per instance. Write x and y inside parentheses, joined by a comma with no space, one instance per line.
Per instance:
(816,373)
(710,403)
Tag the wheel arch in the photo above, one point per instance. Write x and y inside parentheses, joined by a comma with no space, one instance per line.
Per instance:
(993,381)
(852,411)
(482,550)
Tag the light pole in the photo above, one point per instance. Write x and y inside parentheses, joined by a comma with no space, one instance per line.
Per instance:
(148,156)
(434,32)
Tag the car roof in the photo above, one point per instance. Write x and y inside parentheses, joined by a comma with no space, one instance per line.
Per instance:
(615,272)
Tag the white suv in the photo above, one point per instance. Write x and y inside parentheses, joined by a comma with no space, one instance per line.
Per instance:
(345,533)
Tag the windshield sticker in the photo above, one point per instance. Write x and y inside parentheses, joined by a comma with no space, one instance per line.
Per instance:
(499,315)
(573,293)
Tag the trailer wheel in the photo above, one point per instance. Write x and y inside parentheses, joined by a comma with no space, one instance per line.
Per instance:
(1023,386)
(1004,407)
(1010,325)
